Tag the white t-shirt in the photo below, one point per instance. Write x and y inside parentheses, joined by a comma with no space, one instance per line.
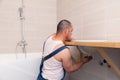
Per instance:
(52,68)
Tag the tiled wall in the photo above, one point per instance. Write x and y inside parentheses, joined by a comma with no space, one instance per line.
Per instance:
(113,19)
(92,19)
(40,21)
(98,20)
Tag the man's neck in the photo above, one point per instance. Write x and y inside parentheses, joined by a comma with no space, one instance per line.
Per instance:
(59,37)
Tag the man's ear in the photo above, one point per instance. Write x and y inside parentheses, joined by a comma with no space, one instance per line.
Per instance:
(66,31)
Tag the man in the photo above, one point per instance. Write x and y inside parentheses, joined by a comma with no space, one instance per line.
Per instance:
(53,68)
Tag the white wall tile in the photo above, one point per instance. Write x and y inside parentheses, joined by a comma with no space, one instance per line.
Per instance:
(92,17)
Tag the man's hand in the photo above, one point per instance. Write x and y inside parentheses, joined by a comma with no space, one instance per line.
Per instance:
(86,59)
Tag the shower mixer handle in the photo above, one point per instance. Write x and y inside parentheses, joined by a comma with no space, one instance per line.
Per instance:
(22,43)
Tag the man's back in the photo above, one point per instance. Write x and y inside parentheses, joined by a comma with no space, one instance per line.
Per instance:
(52,66)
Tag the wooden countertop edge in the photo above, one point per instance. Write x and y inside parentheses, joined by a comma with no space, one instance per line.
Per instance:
(94,44)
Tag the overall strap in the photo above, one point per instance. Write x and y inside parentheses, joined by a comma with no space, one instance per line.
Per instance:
(54,53)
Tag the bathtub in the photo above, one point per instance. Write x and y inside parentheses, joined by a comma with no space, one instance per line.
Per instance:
(19,67)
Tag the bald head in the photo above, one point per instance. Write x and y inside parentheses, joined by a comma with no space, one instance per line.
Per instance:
(62,25)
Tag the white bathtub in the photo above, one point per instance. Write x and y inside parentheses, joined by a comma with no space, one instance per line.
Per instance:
(19,67)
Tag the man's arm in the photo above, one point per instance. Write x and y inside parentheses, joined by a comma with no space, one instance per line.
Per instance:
(68,63)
